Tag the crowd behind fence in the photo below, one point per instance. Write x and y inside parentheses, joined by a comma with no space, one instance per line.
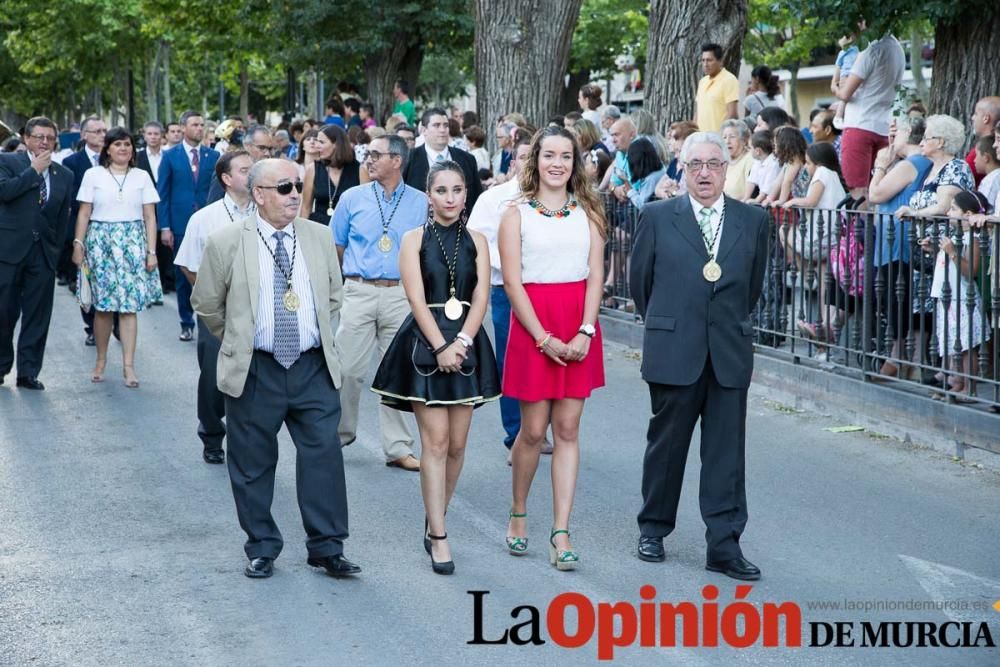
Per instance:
(869,292)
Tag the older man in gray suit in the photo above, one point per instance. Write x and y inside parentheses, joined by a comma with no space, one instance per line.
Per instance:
(268,288)
(697,271)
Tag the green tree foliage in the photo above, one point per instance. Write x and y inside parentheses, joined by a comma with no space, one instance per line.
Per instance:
(606,29)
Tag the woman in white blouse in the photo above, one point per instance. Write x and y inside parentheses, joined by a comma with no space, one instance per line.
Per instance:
(115,247)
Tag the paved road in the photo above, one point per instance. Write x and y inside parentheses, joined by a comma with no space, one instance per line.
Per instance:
(119,546)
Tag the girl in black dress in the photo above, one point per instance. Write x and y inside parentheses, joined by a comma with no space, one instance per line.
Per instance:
(441,365)
(331,175)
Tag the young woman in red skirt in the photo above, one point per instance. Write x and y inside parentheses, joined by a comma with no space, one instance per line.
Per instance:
(552,253)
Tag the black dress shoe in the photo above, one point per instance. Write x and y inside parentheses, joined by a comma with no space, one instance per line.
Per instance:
(335,566)
(737,568)
(214,456)
(187,334)
(90,341)
(651,549)
(27,382)
(260,568)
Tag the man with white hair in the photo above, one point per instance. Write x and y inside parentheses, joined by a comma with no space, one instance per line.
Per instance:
(697,271)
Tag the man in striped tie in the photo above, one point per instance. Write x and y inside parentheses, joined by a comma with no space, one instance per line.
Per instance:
(268,287)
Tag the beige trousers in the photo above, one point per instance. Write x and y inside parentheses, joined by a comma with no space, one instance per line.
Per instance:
(370,314)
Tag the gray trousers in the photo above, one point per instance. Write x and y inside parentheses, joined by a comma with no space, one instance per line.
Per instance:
(211,401)
(304,399)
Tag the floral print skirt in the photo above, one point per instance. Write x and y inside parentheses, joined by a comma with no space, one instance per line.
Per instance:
(116,256)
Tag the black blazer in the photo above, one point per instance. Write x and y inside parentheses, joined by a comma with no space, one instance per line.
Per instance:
(20,215)
(142,162)
(415,174)
(78,163)
(687,318)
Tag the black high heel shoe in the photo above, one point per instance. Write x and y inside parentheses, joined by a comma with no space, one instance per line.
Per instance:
(448,567)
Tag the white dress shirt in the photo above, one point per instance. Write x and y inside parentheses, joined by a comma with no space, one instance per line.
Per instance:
(718,218)
(432,155)
(154,162)
(92,156)
(202,224)
(485,219)
(308,320)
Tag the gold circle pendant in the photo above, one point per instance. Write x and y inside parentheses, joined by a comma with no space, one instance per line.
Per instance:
(711,271)
(291,301)
(385,243)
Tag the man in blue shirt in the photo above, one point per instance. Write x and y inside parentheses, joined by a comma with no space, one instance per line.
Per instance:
(368,226)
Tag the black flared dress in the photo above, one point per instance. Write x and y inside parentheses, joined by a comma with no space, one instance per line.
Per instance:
(401,379)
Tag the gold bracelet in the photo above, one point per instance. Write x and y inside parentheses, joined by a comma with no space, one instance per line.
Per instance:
(541,346)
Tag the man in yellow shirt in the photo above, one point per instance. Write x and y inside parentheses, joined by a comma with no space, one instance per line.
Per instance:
(718,91)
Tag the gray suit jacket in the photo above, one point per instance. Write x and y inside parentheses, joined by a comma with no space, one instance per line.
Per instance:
(687,318)
(225,294)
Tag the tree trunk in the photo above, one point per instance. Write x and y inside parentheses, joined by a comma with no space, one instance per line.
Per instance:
(152,96)
(916,49)
(522,50)
(168,103)
(966,66)
(793,95)
(382,68)
(677,29)
(244,92)
(569,100)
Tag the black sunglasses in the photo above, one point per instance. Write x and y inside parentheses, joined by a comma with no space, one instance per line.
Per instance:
(284,188)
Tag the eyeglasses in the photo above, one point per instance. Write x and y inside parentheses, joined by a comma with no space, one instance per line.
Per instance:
(697,165)
(42,137)
(284,188)
(375,156)
(927,138)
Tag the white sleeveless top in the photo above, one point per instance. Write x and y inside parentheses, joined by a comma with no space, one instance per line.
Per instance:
(554,250)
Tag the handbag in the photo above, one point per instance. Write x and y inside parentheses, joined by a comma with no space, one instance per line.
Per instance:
(849,252)
(423,357)
(84,290)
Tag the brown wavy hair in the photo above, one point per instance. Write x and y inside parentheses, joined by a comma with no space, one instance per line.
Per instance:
(579,186)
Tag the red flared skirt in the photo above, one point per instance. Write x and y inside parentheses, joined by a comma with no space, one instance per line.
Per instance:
(530,375)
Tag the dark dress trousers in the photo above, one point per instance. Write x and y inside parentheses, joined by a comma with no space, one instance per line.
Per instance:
(78,163)
(31,239)
(417,167)
(164,256)
(698,361)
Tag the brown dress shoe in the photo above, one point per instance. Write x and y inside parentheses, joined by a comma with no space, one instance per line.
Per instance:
(408,462)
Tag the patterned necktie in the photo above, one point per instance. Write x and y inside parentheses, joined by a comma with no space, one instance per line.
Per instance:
(439,158)
(705,222)
(97,159)
(194,163)
(43,192)
(286,322)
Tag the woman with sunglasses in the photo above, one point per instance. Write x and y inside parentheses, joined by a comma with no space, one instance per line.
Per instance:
(115,247)
(440,365)
(334,172)
(552,254)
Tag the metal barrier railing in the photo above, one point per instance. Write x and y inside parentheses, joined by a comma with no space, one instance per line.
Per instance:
(867,292)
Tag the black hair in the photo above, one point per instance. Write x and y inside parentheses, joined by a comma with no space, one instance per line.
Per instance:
(336,104)
(774,117)
(825,155)
(224,165)
(714,48)
(764,140)
(113,135)
(643,159)
(11,145)
(353,104)
(469,118)
(557,119)
(763,74)
(403,85)
(425,117)
(972,201)
(190,113)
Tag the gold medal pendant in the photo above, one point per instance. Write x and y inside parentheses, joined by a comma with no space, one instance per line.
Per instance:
(711,271)
(453,308)
(329,212)
(385,243)
(291,301)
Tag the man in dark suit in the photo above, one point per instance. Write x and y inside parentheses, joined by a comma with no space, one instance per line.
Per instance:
(34,214)
(184,178)
(148,159)
(697,271)
(92,130)
(435,149)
